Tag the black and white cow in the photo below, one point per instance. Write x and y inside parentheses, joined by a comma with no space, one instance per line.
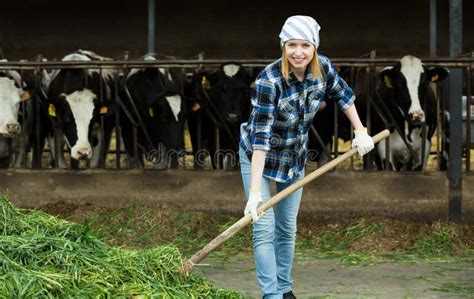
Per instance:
(404,99)
(10,98)
(222,101)
(36,123)
(19,118)
(77,98)
(153,103)
(10,128)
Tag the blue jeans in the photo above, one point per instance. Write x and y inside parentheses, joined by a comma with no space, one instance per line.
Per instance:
(274,235)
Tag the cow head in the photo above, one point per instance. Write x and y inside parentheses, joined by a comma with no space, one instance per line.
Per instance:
(408,83)
(76,99)
(160,93)
(230,91)
(78,113)
(10,98)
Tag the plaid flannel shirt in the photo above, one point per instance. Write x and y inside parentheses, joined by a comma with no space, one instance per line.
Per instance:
(282,115)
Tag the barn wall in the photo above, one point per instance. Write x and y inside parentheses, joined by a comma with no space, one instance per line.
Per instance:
(221,29)
(335,195)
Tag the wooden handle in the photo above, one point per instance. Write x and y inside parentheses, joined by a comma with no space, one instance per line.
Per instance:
(224,236)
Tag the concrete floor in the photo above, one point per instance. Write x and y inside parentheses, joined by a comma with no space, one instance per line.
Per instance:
(328,278)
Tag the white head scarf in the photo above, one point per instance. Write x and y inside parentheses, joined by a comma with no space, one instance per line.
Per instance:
(300,27)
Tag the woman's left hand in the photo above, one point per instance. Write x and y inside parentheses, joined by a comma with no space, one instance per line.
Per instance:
(362,141)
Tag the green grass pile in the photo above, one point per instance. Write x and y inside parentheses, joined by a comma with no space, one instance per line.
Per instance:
(44,256)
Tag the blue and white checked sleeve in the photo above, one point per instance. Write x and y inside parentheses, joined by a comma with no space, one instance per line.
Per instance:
(263,102)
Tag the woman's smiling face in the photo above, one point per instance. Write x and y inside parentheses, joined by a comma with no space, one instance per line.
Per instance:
(299,53)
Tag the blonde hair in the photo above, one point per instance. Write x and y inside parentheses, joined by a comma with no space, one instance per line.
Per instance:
(313,65)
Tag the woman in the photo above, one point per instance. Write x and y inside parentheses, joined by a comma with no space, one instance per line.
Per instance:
(274,142)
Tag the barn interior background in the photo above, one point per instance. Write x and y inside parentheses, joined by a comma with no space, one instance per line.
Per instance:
(140,208)
(223,29)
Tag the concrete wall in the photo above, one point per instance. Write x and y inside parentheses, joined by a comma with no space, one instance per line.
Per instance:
(222,29)
(335,195)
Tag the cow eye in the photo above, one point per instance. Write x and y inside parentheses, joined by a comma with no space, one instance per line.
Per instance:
(67,117)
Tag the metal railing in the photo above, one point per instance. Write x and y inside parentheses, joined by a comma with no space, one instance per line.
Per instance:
(369,63)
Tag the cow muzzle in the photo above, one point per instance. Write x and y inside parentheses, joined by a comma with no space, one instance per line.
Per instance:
(231,117)
(417,116)
(81,153)
(10,129)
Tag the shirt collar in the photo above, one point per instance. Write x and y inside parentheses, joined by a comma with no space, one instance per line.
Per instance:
(293,80)
(307,78)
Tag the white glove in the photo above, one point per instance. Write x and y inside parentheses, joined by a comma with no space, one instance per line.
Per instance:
(362,141)
(255,199)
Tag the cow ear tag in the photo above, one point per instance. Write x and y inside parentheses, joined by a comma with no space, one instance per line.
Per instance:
(26,95)
(52,110)
(103,110)
(150,112)
(434,78)
(205,82)
(388,81)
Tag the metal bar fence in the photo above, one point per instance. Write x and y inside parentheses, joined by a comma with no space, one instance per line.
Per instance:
(370,63)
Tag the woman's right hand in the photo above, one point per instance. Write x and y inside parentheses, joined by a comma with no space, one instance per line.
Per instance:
(362,141)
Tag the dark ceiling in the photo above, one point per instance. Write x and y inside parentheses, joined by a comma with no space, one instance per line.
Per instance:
(222,29)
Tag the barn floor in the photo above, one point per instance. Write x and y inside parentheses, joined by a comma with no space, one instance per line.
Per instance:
(141,208)
(381,259)
(327,278)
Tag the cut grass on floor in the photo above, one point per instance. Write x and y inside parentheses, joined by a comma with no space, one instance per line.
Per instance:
(43,256)
(356,242)
(452,287)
